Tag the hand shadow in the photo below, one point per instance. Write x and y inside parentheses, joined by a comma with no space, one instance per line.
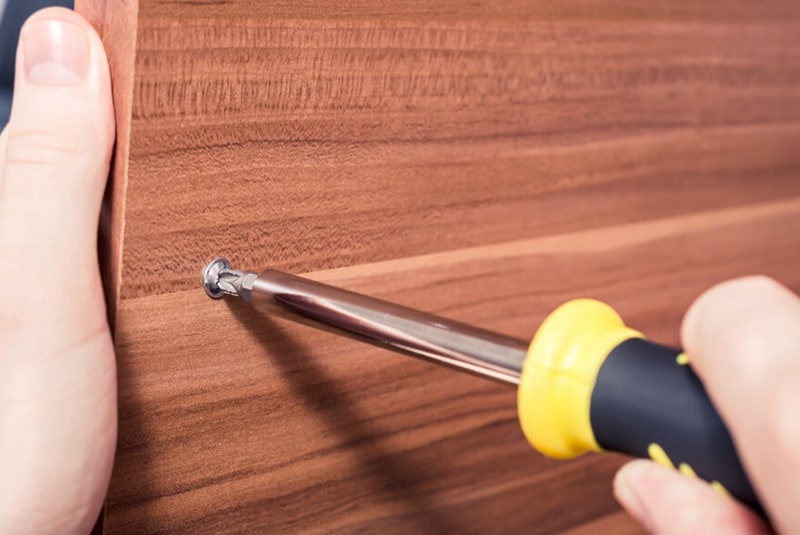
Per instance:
(392,478)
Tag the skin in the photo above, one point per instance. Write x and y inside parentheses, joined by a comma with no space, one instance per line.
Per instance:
(58,416)
(743,337)
(57,373)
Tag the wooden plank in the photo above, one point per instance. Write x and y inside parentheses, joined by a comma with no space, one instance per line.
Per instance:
(617,523)
(116,24)
(329,144)
(482,160)
(308,144)
(238,422)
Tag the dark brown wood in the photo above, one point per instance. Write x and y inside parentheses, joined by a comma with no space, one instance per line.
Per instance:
(482,160)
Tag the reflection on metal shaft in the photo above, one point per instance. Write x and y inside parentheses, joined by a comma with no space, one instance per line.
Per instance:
(384,324)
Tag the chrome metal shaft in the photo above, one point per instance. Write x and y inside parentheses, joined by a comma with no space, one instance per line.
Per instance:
(374,321)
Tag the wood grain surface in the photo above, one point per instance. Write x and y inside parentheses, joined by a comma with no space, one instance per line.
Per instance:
(481,160)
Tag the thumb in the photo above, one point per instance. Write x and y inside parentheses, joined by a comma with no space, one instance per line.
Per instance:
(666,503)
(57,376)
(59,138)
(57,146)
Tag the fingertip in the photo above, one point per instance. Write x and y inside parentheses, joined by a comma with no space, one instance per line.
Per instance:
(718,294)
(720,313)
(93,83)
(665,502)
(627,481)
(60,14)
(59,139)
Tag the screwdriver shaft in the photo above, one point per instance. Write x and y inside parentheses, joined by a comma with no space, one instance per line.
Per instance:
(377,322)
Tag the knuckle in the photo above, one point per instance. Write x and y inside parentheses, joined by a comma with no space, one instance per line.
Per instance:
(47,146)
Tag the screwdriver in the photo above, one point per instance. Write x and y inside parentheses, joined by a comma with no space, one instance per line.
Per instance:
(586,382)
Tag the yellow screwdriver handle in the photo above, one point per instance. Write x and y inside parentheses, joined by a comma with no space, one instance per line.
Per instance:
(589,383)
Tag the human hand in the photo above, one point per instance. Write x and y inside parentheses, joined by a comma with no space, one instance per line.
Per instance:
(744,340)
(57,374)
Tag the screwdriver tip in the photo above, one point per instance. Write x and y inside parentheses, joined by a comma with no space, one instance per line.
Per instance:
(211,277)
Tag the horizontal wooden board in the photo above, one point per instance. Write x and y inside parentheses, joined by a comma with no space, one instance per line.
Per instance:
(235,421)
(307,144)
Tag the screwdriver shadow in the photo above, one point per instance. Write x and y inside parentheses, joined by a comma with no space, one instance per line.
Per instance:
(391,477)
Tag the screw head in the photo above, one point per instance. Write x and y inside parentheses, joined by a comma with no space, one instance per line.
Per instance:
(211,277)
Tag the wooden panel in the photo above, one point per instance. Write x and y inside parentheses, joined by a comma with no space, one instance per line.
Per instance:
(484,161)
(116,24)
(618,524)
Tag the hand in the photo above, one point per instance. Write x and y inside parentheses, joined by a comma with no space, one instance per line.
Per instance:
(744,340)
(57,376)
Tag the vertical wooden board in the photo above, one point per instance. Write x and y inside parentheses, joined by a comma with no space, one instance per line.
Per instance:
(116,22)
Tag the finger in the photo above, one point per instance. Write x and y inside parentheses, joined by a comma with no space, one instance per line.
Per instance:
(667,503)
(744,340)
(55,162)
(59,135)
(3,144)
(57,376)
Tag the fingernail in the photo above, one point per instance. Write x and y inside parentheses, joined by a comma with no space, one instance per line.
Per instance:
(627,494)
(56,52)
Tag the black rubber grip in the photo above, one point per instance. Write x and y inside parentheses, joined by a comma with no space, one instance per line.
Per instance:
(644,396)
